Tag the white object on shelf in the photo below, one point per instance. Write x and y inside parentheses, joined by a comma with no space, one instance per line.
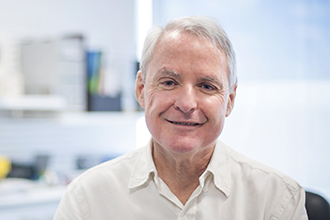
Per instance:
(56,66)
(11,78)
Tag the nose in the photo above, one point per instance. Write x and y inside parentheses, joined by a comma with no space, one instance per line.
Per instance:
(186,101)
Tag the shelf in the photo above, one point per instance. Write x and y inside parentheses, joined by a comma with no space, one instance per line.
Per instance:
(33,103)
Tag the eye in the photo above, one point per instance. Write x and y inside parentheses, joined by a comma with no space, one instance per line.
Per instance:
(208,87)
(168,83)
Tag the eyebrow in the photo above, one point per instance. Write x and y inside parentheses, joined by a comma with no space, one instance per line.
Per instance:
(165,71)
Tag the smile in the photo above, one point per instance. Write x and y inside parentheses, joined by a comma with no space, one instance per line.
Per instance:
(183,123)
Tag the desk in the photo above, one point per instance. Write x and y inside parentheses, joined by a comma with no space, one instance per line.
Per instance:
(28,200)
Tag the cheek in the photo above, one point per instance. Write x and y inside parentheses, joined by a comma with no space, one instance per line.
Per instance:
(157,101)
(215,106)
(149,97)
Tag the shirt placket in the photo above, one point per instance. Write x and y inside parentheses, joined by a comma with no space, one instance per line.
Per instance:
(189,210)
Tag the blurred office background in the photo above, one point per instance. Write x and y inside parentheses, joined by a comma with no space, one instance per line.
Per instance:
(67,71)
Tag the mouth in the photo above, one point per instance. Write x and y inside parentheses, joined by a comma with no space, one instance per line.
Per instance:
(184,123)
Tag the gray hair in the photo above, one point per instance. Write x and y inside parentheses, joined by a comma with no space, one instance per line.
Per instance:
(203,27)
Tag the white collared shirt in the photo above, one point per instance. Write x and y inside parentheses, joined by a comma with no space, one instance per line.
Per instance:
(232,187)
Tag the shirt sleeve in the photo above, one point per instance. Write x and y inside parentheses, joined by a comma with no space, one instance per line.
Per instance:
(73,205)
(295,209)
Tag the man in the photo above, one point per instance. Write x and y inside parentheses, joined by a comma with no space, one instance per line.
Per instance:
(187,86)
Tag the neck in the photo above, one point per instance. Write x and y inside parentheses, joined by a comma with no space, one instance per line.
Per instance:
(181,172)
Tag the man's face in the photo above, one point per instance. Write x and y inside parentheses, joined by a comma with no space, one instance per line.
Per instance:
(186,93)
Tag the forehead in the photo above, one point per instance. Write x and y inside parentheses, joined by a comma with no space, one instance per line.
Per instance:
(184,52)
(177,39)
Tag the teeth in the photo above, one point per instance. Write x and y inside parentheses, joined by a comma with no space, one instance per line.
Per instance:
(181,123)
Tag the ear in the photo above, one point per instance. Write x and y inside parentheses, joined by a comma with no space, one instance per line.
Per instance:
(231,100)
(139,88)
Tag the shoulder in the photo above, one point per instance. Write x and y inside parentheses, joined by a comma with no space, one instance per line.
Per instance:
(103,185)
(253,182)
(118,169)
(253,171)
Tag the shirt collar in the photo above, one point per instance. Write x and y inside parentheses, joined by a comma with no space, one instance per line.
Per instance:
(219,166)
(143,167)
